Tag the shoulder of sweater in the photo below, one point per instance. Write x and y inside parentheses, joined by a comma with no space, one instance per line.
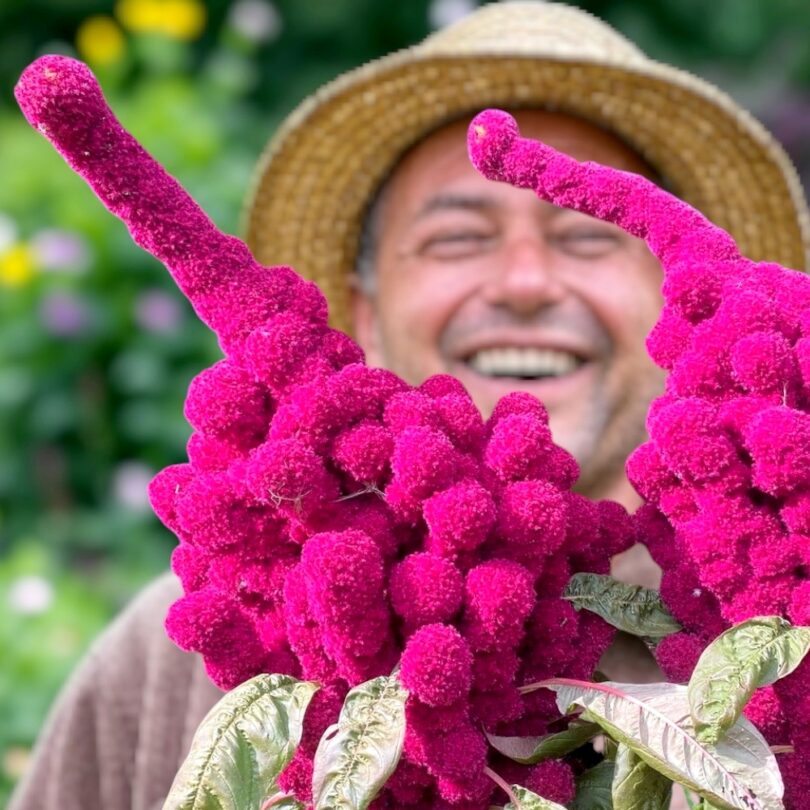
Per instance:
(135,643)
(140,622)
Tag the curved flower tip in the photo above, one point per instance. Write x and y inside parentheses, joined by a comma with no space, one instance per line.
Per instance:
(52,79)
(490,138)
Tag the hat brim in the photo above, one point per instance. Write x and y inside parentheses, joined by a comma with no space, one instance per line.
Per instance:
(318,173)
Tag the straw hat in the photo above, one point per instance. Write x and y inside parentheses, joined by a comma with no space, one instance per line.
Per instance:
(318,173)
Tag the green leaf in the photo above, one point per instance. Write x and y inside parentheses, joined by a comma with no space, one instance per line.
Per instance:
(283,802)
(631,608)
(692,800)
(654,720)
(594,788)
(531,801)
(750,655)
(242,746)
(530,750)
(356,756)
(610,749)
(637,786)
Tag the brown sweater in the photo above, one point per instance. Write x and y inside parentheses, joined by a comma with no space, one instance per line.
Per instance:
(123,724)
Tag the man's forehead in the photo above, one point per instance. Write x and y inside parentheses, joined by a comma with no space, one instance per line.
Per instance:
(484,201)
(574,136)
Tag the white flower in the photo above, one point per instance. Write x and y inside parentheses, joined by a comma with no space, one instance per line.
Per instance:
(61,251)
(8,232)
(446,12)
(158,311)
(130,482)
(30,595)
(255,20)
(15,761)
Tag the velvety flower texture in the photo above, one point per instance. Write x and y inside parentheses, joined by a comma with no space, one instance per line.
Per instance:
(726,473)
(334,520)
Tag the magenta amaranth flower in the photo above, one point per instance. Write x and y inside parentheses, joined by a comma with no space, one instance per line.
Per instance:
(459,518)
(553,780)
(778,439)
(333,519)
(678,654)
(534,513)
(498,599)
(426,589)
(214,624)
(726,474)
(364,452)
(519,447)
(224,402)
(437,665)
(424,461)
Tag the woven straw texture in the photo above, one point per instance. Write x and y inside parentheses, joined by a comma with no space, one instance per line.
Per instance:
(318,173)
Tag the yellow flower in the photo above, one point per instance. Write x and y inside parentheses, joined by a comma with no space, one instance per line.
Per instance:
(178,19)
(99,40)
(15,761)
(17,266)
(139,15)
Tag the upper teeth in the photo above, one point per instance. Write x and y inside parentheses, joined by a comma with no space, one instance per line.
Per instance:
(523,362)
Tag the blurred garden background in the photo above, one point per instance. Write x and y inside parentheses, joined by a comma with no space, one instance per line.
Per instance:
(97,348)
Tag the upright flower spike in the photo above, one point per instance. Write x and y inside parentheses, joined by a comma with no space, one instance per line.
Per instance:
(230,291)
(725,473)
(305,543)
(672,229)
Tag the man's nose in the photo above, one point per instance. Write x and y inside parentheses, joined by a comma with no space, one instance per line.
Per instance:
(525,278)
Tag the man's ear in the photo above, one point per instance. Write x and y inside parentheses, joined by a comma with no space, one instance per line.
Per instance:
(366,323)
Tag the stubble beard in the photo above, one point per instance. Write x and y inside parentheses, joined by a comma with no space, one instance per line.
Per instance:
(608,441)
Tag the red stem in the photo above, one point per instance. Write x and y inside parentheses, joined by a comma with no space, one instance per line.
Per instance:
(504,786)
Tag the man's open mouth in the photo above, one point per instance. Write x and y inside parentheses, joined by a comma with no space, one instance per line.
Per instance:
(523,363)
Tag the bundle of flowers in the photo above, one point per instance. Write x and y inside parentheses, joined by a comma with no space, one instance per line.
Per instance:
(726,473)
(335,522)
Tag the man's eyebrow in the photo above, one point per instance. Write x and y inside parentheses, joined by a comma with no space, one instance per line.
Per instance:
(470,202)
(445,202)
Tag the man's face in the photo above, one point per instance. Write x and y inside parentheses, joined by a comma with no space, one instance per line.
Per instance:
(509,293)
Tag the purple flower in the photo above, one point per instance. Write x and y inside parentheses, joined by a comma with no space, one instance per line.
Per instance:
(130,485)
(65,314)
(255,20)
(60,250)
(158,311)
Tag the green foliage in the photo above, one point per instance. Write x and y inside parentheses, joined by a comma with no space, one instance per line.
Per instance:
(357,755)
(756,653)
(631,608)
(90,397)
(529,750)
(47,618)
(653,720)
(594,788)
(637,786)
(96,351)
(531,801)
(242,746)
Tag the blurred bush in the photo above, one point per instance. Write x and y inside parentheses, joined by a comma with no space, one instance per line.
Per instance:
(97,348)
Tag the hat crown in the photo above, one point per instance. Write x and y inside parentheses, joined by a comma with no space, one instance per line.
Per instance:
(532,28)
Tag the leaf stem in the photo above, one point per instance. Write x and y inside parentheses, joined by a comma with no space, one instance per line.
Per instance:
(504,786)
(274,799)
(550,683)
(782,749)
